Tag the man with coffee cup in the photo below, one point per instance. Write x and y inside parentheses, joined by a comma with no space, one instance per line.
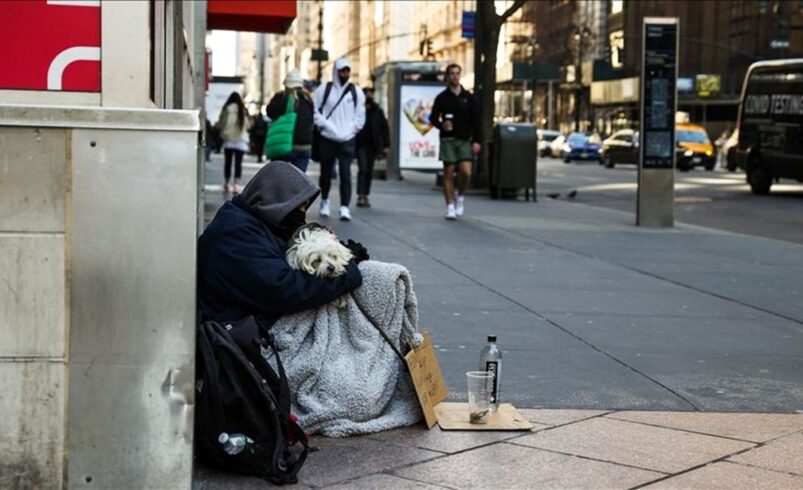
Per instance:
(456,114)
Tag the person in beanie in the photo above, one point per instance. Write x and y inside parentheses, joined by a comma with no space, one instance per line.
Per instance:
(456,114)
(340,114)
(372,140)
(302,135)
(242,268)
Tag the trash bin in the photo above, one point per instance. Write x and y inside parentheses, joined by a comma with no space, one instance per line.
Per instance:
(513,160)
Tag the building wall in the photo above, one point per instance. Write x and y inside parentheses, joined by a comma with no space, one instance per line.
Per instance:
(443,21)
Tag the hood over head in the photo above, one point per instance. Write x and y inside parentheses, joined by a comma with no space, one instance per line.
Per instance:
(340,63)
(277,189)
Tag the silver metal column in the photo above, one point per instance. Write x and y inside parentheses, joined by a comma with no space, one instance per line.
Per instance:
(100,255)
(656,181)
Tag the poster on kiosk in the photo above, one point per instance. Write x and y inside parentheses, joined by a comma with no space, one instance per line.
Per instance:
(418,138)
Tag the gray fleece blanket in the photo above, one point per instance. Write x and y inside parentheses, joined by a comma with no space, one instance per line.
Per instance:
(344,377)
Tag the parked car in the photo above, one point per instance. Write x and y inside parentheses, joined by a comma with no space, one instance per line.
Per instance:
(693,148)
(620,147)
(581,146)
(557,146)
(545,139)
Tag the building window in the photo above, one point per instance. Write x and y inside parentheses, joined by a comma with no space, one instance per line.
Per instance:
(617,40)
(617,6)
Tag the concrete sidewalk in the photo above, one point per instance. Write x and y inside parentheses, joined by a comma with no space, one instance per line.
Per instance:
(566,449)
(618,342)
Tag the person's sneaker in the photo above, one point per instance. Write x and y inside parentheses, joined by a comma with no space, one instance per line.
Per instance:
(325,211)
(365,202)
(345,214)
(450,212)
(459,208)
(360,202)
(227,188)
(237,189)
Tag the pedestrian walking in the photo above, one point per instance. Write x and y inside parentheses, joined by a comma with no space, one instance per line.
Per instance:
(297,100)
(259,130)
(456,114)
(340,115)
(372,140)
(233,124)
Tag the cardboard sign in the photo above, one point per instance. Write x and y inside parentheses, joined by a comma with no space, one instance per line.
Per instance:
(427,378)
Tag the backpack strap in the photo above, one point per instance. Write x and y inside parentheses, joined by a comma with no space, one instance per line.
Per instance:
(326,93)
(381,331)
(349,89)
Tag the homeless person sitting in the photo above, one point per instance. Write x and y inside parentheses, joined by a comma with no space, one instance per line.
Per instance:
(344,377)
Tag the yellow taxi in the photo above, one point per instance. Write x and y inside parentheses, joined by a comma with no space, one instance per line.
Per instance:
(693,148)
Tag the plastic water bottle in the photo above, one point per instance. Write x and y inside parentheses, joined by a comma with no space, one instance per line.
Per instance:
(234,443)
(491,361)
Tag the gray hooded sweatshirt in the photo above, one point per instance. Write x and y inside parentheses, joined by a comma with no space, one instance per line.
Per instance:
(277,189)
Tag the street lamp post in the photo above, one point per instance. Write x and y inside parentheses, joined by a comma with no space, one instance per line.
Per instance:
(581,35)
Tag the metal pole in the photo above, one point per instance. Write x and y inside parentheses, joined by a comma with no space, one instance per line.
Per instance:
(550,102)
(320,40)
(578,78)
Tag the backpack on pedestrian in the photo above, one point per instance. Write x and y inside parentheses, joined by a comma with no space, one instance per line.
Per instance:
(242,415)
(316,131)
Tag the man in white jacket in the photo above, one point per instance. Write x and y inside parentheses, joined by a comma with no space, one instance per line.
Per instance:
(340,114)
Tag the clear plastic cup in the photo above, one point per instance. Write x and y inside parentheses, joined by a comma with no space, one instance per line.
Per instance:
(480,386)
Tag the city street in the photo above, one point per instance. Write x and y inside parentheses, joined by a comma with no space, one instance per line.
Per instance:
(591,311)
(718,199)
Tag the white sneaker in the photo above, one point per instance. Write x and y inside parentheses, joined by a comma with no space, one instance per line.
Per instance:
(345,214)
(325,211)
(450,212)
(459,208)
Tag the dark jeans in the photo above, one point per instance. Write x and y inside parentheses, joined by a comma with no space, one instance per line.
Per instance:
(299,158)
(343,152)
(238,163)
(366,156)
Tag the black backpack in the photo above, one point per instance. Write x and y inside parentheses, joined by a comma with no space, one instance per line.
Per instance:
(238,392)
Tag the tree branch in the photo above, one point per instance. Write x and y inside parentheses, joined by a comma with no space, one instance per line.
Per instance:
(517,4)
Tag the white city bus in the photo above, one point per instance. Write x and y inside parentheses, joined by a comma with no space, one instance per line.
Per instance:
(770,123)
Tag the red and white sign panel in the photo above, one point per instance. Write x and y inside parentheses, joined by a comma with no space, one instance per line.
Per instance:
(50,45)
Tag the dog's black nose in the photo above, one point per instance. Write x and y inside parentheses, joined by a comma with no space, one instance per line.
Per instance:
(331,269)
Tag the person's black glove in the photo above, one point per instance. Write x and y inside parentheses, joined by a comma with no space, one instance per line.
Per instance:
(357,249)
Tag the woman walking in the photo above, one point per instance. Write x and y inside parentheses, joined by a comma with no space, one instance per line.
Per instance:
(233,124)
(293,99)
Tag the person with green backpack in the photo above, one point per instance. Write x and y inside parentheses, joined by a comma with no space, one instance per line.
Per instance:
(290,132)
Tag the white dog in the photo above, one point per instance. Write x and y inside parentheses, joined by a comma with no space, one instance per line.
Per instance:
(315,249)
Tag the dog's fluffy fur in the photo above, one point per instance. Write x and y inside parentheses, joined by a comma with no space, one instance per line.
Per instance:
(315,249)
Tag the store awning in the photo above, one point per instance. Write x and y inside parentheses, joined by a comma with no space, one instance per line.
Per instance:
(274,16)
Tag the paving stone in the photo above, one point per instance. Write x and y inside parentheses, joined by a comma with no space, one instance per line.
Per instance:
(633,444)
(506,465)
(206,478)
(382,482)
(338,460)
(449,442)
(557,417)
(729,476)
(785,454)
(756,427)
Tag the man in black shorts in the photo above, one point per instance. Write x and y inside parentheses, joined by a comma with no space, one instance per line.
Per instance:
(456,115)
